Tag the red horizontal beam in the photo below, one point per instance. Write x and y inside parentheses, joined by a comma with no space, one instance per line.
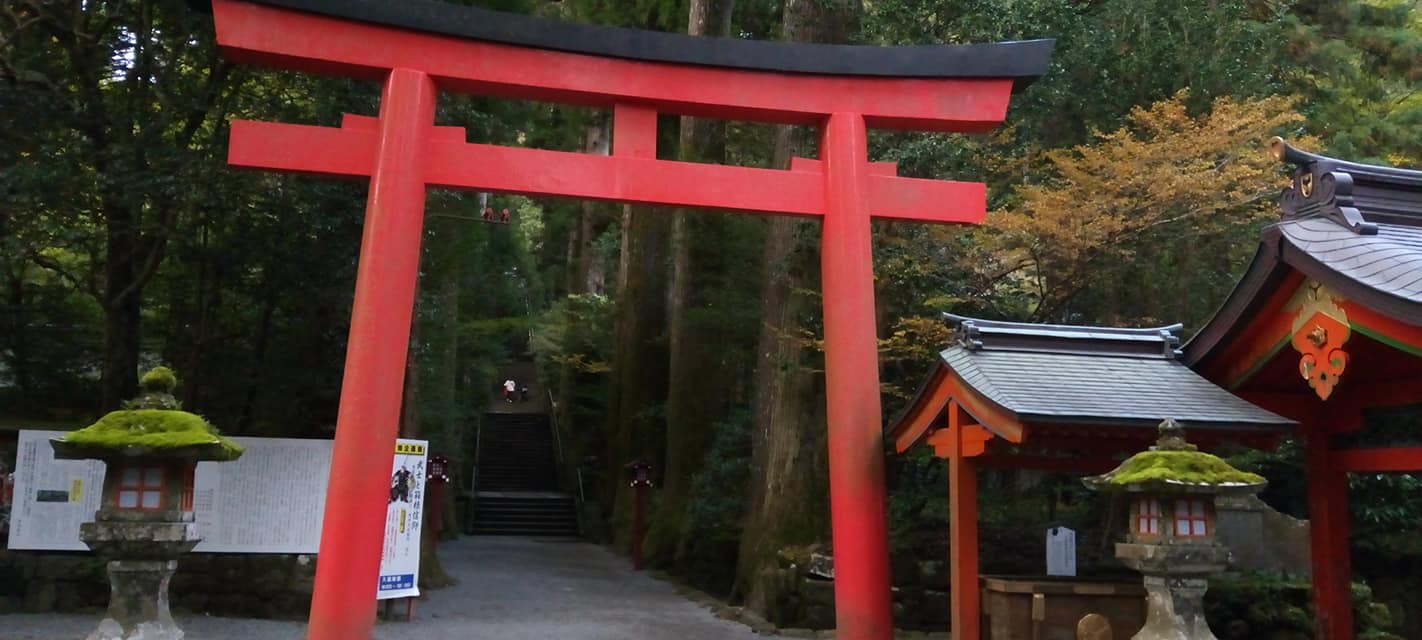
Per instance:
(1379,460)
(288,39)
(449,161)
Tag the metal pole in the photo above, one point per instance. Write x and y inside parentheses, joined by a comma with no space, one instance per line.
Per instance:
(637,525)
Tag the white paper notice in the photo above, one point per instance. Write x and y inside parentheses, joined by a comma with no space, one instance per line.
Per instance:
(1061,552)
(270,500)
(52,497)
(400,556)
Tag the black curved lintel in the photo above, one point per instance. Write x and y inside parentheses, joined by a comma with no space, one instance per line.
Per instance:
(1022,61)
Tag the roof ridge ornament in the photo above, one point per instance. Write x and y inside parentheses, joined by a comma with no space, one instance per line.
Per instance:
(967,333)
(977,334)
(1319,191)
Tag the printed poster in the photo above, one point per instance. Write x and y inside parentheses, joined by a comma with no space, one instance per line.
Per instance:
(270,500)
(400,556)
(52,497)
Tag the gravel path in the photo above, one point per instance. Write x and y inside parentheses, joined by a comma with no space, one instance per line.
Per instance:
(510,589)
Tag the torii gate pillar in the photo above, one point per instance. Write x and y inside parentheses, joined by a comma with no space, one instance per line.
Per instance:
(862,603)
(843,90)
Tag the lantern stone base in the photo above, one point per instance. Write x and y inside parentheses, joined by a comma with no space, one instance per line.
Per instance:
(142,558)
(1175,578)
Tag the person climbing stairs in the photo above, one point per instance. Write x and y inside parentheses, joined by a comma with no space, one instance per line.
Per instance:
(516,479)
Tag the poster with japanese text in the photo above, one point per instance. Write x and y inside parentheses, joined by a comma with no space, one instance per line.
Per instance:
(400,555)
(52,497)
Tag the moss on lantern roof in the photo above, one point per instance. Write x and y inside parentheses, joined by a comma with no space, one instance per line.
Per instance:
(1181,467)
(152,425)
(156,430)
(1174,465)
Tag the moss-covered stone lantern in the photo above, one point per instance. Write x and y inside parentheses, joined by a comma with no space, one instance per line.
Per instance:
(145,520)
(1171,534)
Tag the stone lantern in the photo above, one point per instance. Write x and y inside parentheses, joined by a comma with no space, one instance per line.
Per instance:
(145,520)
(1171,536)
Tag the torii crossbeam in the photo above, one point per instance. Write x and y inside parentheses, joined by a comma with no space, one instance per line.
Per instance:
(419,47)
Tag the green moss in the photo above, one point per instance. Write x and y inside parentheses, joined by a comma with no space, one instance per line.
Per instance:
(1179,467)
(156,429)
(158,380)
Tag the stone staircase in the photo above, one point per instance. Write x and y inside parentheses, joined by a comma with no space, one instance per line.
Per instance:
(517,491)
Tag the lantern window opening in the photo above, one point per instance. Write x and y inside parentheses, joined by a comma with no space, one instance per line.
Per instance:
(1191,518)
(189,482)
(1148,518)
(141,488)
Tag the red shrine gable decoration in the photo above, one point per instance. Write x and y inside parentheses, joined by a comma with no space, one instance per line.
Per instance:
(1320,329)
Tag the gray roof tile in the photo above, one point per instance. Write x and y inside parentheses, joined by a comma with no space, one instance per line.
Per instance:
(1389,262)
(1055,373)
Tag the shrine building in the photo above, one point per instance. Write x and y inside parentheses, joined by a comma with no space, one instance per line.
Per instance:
(1324,326)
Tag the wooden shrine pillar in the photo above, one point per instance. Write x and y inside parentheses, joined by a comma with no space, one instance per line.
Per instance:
(1330,524)
(961,443)
(863,601)
(343,606)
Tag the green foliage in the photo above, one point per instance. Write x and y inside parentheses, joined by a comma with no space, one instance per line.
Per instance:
(716,507)
(1251,606)
(155,429)
(573,333)
(1360,62)
(158,380)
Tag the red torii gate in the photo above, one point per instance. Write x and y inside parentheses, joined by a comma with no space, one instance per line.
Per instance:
(417,47)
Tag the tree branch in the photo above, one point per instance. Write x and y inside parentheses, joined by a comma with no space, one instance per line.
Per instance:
(53,265)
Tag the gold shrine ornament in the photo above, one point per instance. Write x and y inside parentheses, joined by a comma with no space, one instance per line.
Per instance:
(1320,329)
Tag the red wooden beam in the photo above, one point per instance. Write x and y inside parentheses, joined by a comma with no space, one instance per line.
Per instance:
(924,414)
(1330,526)
(1258,342)
(965,605)
(626,176)
(1383,328)
(1379,460)
(307,42)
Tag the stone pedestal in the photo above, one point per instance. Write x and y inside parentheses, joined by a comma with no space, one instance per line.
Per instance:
(143,557)
(1175,579)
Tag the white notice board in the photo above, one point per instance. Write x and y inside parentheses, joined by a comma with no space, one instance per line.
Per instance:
(52,497)
(271,500)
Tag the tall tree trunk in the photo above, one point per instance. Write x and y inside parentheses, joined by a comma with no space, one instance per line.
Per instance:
(696,385)
(122,303)
(639,362)
(583,275)
(17,335)
(259,357)
(789,499)
(430,384)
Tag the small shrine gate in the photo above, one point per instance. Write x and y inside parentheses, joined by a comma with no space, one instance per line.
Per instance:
(418,47)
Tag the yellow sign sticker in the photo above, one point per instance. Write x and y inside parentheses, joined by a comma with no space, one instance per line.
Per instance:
(76,490)
(409,449)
